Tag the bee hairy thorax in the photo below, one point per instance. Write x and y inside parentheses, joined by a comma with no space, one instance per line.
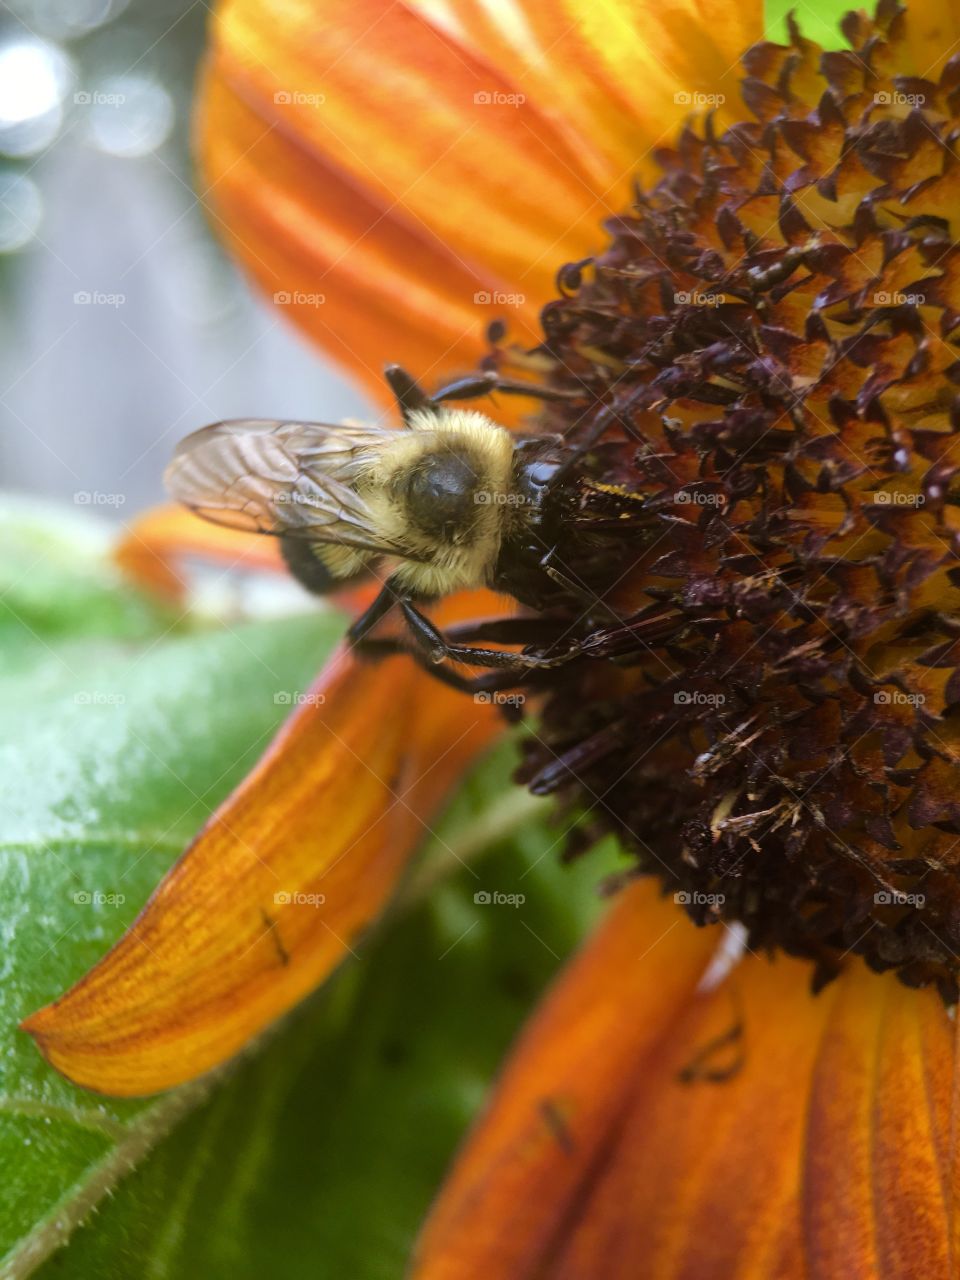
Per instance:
(441,496)
(436,492)
(472,505)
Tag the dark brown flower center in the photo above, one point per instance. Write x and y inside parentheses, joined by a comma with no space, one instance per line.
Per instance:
(768,502)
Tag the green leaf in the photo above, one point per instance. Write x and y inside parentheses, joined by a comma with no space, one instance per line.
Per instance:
(320,1156)
(317,1154)
(57,585)
(115,745)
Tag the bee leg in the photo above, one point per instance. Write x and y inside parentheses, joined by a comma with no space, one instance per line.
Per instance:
(493,682)
(429,641)
(576,589)
(482,688)
(410,396)
(519,629)
(604,419)
(476,386)
(380,607)
(434,644)
(470,388)
(428,638)
(519,663)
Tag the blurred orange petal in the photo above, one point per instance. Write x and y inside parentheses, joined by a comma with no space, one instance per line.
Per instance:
(279,884)
(527,1166)
(395,176)
(154,545)
(751,1131)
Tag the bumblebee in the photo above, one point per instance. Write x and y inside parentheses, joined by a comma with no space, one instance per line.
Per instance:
(452,501)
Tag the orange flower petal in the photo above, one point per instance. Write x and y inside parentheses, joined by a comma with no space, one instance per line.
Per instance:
(527,1166)
(153,545)
(153,548)
(608,75)
(397,160)
(933,33)
(391,292)
(278,885)
(819,1143)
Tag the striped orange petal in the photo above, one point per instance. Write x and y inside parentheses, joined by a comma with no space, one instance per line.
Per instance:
(156,548)
(395,176)
(153,547)
(738,1130)
(275,890)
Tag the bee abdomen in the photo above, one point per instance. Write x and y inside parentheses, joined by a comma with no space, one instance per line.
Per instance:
(310,570)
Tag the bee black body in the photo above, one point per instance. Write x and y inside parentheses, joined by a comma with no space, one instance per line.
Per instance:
(453,502)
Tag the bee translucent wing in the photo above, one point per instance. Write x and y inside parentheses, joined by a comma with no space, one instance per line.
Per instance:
(290,478)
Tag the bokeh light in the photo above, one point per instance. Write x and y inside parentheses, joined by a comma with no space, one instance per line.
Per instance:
(21,210)
(67,19)
(34,78)
(129,115)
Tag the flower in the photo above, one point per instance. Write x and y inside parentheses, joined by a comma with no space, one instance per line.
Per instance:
(760,493)
(765,352)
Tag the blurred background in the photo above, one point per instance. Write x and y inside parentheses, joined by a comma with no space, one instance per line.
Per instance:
(122,324)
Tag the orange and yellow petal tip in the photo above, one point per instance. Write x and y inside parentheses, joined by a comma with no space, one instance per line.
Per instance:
(437,164)
(277,887)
